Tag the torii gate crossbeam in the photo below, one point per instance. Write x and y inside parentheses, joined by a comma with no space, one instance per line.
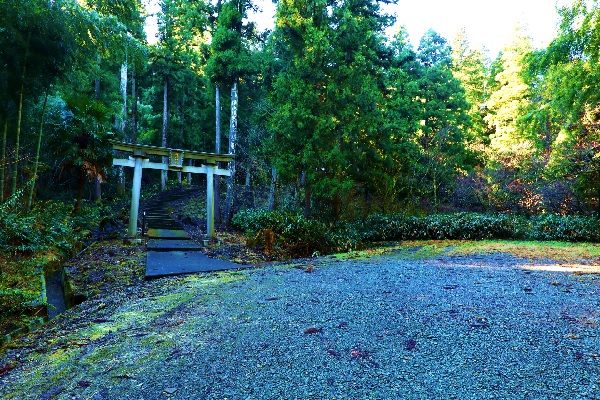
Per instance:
(140,160)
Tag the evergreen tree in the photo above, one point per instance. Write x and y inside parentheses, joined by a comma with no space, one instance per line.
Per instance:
(507,103)
(230,60)
(470,67)
(395,186)
(328,98)
(513,158)
(565,112)
(178,62)
(444,119)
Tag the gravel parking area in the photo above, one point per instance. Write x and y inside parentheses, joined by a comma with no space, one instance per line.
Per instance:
(386,327)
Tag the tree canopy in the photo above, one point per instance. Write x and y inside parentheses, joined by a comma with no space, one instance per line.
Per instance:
(335,117)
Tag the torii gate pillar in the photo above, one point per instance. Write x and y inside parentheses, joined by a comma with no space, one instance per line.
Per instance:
(210,201)
(135,193)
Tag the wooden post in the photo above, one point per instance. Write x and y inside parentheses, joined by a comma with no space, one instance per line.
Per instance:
(210,201)
(135,193)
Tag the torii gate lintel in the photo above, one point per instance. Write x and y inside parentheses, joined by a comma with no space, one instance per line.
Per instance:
(139,160)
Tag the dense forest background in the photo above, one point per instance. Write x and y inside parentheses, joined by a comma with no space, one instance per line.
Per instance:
(326,113)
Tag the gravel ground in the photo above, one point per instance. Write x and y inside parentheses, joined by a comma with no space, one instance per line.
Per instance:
(388,327)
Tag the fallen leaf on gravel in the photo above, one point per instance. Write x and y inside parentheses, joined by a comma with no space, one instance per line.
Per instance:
(52,393)
(123,377)
(5,368)
(333,353)
(479,322)
(358,353)
(170,390)
(310,331)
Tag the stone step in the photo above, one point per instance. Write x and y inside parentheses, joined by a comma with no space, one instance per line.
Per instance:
(162,217)
(156,211)
(163,222)
(172,244)
(166,263)
(167,227)
(167,234)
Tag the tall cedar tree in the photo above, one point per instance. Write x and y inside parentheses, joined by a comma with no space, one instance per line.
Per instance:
(229,61)
(327,98)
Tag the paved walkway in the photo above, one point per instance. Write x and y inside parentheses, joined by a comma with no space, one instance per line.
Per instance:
(170,249)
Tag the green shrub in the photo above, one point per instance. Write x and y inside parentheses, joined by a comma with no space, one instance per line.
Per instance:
(460,226)
(12,300)
(570,228)
(295,234)
(472,226)
(50,228)
(255,219)
(306,236)
(48,224)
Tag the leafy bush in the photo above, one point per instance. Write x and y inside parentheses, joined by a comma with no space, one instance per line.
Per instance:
(571,228)
(305,236)
(472,226)
(12,300)
(49,224)
(295,234)
(49,231)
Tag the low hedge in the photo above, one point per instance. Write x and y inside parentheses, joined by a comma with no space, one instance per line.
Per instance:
(293,233)
(311,236)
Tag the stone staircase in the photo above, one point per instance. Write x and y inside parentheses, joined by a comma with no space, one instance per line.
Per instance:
(170,251)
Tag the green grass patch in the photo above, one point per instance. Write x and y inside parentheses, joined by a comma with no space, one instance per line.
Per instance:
(555,250)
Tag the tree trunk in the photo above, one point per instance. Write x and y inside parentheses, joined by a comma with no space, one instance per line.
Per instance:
(80,186)
(435,190)
(37,154)
(272,189)
(17,143)
(124,77)
(19,118)
(97,80)
(3,159)
(307,194)
(165,130)
(134,109)
(232,143)
(217,181)
(98,189)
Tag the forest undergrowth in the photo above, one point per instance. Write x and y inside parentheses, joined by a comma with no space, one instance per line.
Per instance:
(42,240)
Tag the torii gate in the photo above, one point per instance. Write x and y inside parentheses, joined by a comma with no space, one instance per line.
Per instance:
(140,160)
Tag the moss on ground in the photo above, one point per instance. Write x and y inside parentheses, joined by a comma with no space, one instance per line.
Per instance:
(561,251)
(529,250)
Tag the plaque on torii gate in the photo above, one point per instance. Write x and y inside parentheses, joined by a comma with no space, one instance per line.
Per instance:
(139,160)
